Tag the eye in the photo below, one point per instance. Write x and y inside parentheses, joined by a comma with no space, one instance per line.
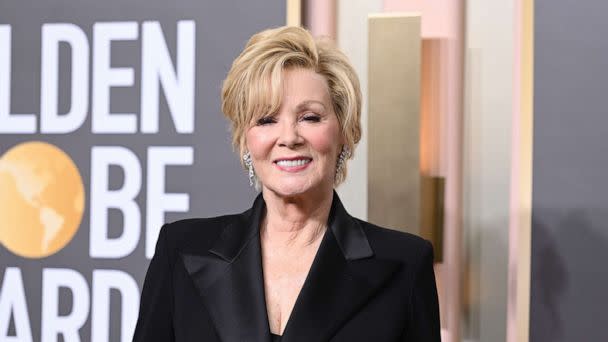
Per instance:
(265,121)
(312,117)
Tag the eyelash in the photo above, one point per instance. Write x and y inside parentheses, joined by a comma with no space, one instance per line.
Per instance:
(312,118)
(265,120)
(269,119)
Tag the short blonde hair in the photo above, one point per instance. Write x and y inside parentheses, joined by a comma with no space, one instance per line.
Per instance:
(253,87)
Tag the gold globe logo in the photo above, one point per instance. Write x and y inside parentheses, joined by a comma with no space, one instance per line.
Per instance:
(41,199)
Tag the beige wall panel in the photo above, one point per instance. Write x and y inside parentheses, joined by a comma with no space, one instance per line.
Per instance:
(352,38)
(487,162)
(293,13)
(520,230)
(394,122)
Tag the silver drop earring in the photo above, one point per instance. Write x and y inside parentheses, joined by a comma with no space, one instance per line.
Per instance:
(342,157)
(249,164)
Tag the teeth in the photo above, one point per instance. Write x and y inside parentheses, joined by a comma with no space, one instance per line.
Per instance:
(293,163)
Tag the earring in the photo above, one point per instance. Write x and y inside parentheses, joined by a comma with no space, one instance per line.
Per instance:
(344,155)
(249,164)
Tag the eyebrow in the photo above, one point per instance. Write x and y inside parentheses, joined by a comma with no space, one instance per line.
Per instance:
(307,103)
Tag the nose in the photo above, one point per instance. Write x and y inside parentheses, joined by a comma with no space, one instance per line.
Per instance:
(289,135)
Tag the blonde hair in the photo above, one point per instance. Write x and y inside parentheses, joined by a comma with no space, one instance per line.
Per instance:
(253,87)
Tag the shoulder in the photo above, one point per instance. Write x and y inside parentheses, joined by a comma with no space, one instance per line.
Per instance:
(197,233)
(396,245)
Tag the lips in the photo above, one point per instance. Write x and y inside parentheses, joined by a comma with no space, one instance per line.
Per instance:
(293,164)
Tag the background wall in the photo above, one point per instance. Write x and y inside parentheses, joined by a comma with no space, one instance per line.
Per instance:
(570,191)
(487,123)
(83,76)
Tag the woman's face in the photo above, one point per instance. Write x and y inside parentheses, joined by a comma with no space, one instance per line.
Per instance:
(294,151)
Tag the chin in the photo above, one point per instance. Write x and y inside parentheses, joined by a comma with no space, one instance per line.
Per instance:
(292,189)
(288,191)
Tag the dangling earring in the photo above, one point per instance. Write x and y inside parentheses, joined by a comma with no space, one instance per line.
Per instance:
(249,164)
(342,157)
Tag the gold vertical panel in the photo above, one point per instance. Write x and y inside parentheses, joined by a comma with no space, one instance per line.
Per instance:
(432,190)
(394,121)
(431,95)
(525,153)
(294,12)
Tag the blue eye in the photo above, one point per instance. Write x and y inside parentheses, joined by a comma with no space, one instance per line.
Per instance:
(265,121)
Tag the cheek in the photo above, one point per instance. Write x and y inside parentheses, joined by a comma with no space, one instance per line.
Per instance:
(258,143)
(325,141)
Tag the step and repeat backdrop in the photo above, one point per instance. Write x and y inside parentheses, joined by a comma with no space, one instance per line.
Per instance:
(110,125)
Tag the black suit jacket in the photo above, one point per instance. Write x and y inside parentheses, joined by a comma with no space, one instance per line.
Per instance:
(366,283)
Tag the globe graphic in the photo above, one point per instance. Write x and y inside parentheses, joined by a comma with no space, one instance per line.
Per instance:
(41,199)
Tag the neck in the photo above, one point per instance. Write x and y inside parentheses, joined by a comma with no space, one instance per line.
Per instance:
(296,221)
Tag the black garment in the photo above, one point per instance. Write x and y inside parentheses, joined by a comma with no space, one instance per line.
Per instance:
(366,283)
(275,338)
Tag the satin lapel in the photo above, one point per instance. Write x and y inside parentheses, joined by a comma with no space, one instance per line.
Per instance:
(230,280)
(343,277)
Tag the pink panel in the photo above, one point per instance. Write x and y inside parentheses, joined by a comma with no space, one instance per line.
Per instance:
(320,17)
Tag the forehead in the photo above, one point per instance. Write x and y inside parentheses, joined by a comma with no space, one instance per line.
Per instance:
(295,87)
(304,85)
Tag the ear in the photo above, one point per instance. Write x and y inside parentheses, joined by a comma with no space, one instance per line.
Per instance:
(242,150)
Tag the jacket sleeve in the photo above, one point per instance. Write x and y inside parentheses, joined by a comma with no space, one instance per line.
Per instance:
(424,324)
(155,321)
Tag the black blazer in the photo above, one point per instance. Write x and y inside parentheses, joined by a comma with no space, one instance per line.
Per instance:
(366,283)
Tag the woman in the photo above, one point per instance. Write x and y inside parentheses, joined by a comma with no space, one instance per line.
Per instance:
(296,266)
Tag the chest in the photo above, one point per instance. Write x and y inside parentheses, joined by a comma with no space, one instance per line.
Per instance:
(284,277)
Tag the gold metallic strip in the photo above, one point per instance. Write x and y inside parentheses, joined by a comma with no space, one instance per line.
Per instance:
(431,212)
(294,13)
(394,121)
(525,153)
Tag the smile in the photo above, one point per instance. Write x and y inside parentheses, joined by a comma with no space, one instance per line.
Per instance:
(293,163)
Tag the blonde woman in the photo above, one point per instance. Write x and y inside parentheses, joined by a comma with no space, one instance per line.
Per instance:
(296,266)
